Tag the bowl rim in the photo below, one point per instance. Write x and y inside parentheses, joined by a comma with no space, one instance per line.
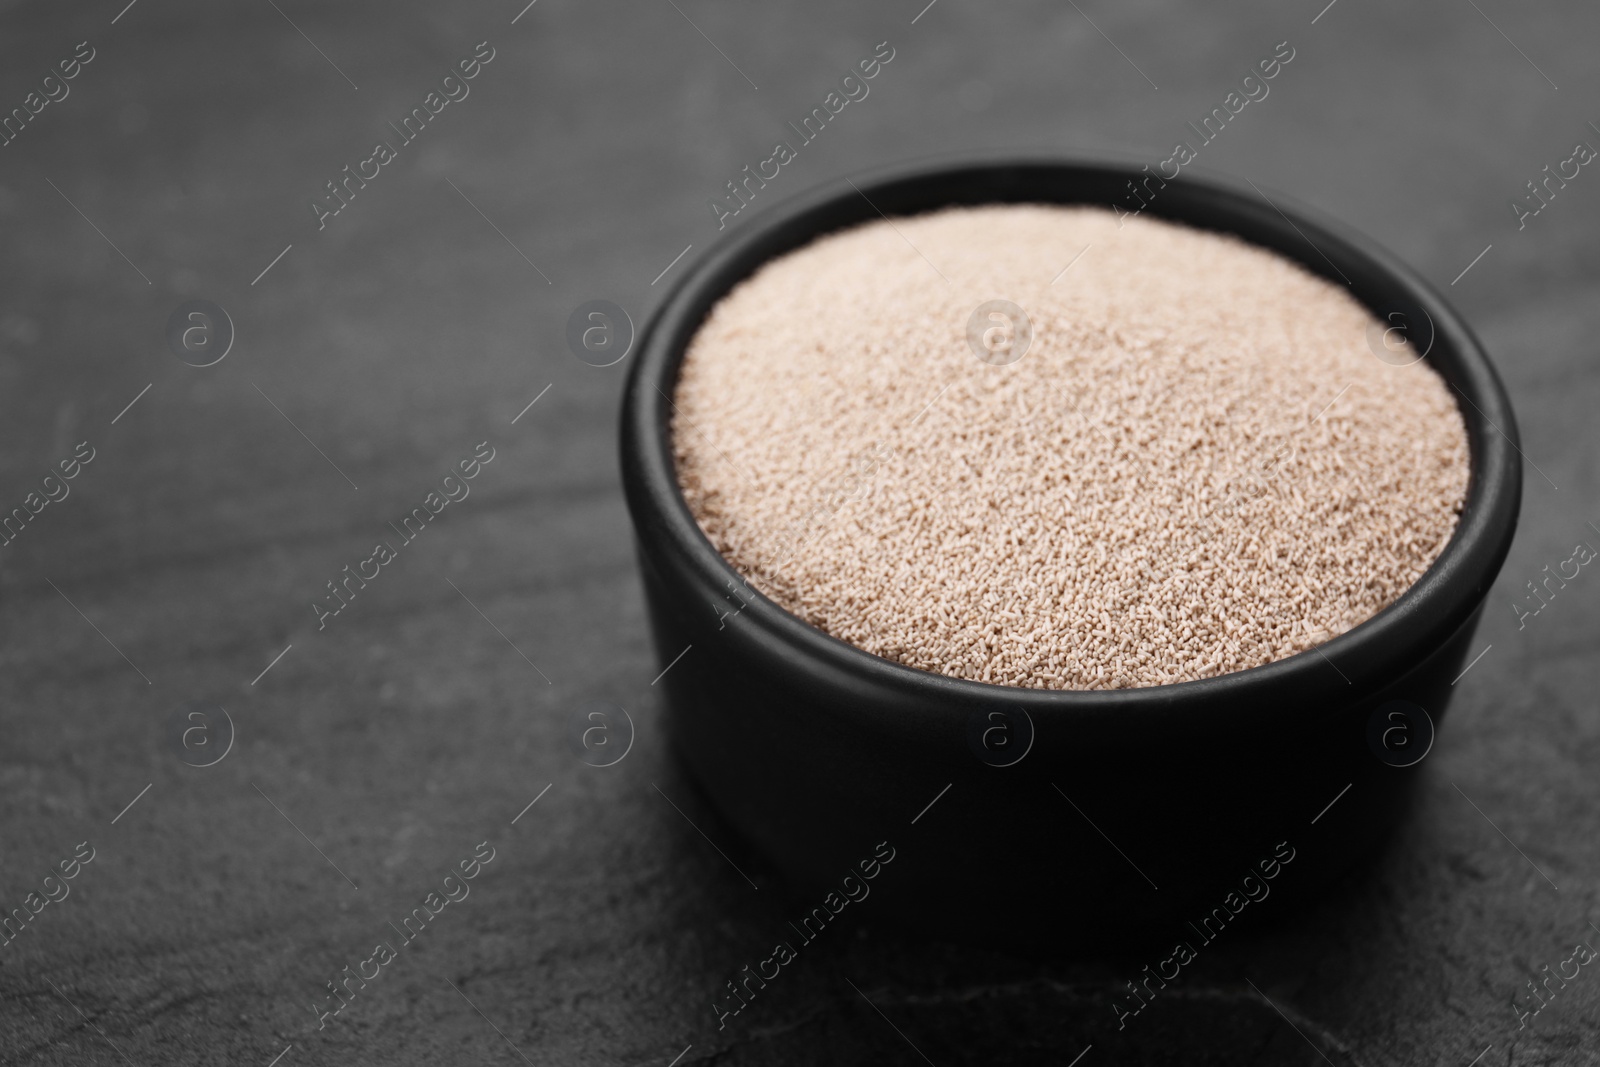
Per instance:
(1367,656)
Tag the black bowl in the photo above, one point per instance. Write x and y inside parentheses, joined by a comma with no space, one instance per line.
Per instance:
(1084,813)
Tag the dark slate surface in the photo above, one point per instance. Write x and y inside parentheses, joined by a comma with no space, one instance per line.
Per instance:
(409,330)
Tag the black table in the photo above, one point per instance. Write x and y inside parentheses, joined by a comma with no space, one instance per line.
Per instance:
(377,347)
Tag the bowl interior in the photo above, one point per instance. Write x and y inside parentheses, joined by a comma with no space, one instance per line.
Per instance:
(1363,658)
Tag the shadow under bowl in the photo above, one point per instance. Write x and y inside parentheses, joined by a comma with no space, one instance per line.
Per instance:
(1126,808)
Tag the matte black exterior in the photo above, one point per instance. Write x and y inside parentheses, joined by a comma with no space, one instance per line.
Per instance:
(815,750)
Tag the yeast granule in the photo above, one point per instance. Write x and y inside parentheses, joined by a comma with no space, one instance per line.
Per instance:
(1199,465)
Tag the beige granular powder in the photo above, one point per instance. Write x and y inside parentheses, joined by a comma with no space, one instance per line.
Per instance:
(1198,466)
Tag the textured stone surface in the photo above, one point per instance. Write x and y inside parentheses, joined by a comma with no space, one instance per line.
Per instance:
(409,330)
